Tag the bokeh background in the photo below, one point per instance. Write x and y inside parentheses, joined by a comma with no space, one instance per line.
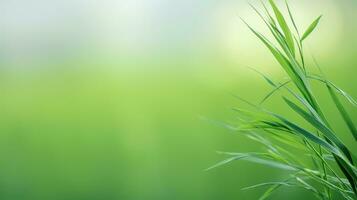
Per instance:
(104,99)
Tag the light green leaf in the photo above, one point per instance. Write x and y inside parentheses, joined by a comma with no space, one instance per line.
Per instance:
(284,26)
(311,28)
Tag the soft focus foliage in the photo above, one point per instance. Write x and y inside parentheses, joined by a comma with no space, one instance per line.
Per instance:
(105,99)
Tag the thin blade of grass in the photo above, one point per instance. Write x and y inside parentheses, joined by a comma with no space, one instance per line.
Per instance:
(226,161)
(308,135)
(266,159)
(266,78)
(292,18)
(307,186)
(269,191)
(284,26)
(349,98)
(346,117)
(267,184)
(291,68)
(277,88)
(311,28)
(319,125)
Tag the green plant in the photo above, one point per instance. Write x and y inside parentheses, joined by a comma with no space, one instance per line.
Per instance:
(330,172)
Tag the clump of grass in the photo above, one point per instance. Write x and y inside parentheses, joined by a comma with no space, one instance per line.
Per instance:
(332,173)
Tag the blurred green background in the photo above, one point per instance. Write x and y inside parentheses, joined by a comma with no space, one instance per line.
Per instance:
(105,99)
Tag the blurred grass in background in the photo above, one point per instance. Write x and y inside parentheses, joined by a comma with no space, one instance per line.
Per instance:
(111,110)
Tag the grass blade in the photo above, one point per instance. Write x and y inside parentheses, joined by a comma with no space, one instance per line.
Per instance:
(346,117)
(308,135)
(319,125)
(284,26)
(267,184)
(347,96)
(311,28)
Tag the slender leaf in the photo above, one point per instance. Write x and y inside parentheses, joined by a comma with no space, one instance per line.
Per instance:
(311,28)
(346,117)
(284,26)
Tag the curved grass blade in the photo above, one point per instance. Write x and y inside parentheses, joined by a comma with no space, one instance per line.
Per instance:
(224,162)
(268,184)
(348,172)
(278,87)
(291,68)
(307,186)
(261,158)
(284,26)
(270,191)
(308,135)
(311,28)
(346,117)
(292,18)
(338,89)
(266,78)
(319,125)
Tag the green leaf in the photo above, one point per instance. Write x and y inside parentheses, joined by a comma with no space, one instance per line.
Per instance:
(291,17)
(284,26)
(267,79)
(308,135)
(291,68)
(270,191)
(319,125)
(311,28)
(339,90)
(224,162)
(278,87)
(268,184)
(346,117)
(307,186)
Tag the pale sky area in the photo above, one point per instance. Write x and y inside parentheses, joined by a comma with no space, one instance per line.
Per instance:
(66,28)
